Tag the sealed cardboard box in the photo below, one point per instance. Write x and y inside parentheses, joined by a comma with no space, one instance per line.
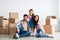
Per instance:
(16,20)
(12,25)
(48,29)
(48,17)
(5,30)
(11,20)
(1,17)
(5,23)
(47,21)
(1,30)
(12,29)
(13,15)
(1,21)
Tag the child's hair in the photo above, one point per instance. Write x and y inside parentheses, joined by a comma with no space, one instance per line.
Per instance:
(25,15)
(36,22)
(32,14)
(30,10)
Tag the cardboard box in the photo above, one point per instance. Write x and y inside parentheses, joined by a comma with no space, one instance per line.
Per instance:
(5,30)
(1,30)
(48,29)
(12,25)
(16,20)
(48,17)
(53,17)
(13,15)
(5,23)
(12,29)
(53,22)
(1,17)
(11,20)
(1,21)
(47,21)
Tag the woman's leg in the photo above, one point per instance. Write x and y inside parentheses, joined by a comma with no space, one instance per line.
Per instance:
(41,34)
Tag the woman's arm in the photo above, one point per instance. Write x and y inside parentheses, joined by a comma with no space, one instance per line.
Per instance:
(41,27)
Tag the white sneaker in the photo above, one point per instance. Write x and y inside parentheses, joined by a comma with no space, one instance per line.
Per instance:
(17,35)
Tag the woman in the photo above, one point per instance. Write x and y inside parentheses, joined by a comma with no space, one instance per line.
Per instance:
(31,22)
(39,29)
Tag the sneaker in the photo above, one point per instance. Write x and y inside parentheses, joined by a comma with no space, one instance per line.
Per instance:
(15,37)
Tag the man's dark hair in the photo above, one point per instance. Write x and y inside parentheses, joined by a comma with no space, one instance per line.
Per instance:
(25,15)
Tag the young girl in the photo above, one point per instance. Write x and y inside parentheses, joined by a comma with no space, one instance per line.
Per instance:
(39,29)
(31,22)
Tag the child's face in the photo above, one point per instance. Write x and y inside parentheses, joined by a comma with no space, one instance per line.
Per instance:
(25,18)
(36,18)
(31,12)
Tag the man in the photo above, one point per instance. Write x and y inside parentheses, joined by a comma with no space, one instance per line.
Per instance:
(22,29)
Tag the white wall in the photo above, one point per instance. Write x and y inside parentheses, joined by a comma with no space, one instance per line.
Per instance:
(41,7)
(58,16)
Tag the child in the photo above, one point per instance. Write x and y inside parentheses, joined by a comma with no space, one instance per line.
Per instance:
(31,22)
(22,28)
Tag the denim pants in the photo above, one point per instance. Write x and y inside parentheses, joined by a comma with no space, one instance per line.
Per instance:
(40,33)
(23,33)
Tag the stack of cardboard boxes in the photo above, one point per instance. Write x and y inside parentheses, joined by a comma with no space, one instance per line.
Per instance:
(49,26)
(13,19)
(3,25)
(8,26)
(1,18)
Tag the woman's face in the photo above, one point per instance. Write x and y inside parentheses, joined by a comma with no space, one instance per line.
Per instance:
(31,12)
(36,18)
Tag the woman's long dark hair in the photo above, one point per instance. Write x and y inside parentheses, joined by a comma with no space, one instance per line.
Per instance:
(36,22)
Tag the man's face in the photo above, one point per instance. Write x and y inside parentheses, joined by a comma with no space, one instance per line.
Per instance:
(25,18)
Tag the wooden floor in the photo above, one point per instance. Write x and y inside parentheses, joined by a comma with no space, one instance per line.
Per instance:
(7,37)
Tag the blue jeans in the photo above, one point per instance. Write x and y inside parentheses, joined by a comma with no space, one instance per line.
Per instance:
(40,33)
(24,33)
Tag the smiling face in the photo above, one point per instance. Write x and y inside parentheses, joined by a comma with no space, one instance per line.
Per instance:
(36,18)
(25,18)
(31,13)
